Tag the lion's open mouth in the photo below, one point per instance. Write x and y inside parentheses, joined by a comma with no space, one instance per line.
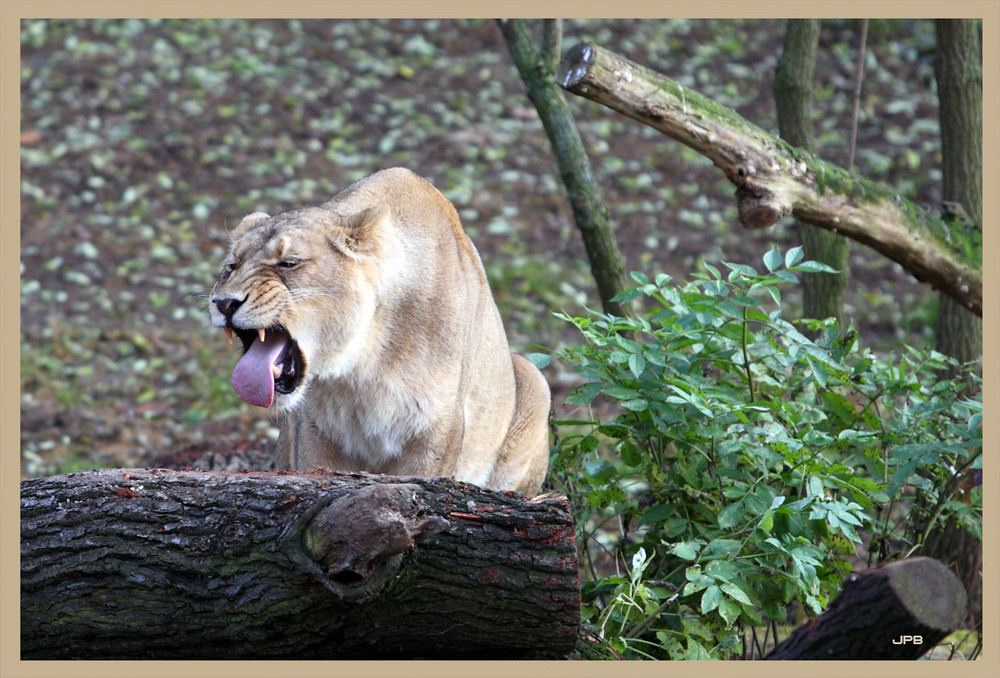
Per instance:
(271,362)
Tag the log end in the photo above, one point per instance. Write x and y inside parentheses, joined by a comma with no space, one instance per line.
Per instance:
(575,64)
(930,591)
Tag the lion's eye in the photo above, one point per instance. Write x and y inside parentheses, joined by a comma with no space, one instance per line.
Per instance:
(227,269)
(288,264)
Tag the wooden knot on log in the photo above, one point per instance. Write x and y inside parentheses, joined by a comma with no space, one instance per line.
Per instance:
(357,537)
(758,211)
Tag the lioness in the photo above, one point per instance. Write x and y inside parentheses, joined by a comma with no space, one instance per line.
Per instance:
(369,323)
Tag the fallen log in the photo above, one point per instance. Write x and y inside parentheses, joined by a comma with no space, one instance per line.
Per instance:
(153,563)
(897,611)
(774,179)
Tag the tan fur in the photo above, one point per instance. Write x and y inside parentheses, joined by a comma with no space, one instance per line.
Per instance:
(407,368)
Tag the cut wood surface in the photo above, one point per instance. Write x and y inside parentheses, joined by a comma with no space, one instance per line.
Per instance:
(897,611)
(153,563)
(774,179)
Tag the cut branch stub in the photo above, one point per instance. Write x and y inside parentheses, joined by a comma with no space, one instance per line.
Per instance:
(758,211)
(573,67)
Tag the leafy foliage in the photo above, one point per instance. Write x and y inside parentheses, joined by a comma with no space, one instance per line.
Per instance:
(748,464)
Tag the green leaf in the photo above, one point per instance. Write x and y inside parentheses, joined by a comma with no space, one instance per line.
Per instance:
(657,514)
(620,392)
(740,269)
(598,470)
(630,453)
(637,364)
(813,267)
(711,599)
(671,645)
(819,372)
(635,405)
(539,360)
(584,394)
(686,550)
(736,593)
(730,515)
(696,651)
(837,404)
(729,610)
(793,256)
(772,259)
(675,527)
(745,300)
(722,548)
(815,487)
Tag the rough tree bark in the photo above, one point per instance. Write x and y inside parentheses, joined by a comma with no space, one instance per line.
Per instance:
(822,293)
(774,179)
(151,563)
(959,333)
(589,211)
(897,611)
(959,77)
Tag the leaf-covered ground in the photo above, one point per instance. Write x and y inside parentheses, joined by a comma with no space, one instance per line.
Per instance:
(143,140)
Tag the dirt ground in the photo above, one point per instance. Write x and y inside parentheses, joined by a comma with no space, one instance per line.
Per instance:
(143,140)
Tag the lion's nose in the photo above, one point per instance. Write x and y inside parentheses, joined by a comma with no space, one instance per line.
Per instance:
(227,306)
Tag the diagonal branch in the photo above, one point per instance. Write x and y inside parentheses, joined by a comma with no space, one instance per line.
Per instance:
(774,179)
(589,211)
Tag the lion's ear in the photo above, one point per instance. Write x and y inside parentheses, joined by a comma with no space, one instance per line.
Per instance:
(248,222)
(364,227)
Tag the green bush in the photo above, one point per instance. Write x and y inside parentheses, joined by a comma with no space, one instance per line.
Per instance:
(748,465)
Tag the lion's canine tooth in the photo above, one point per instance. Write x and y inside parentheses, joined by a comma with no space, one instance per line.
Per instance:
(275,371)
(260,333)
(229,334)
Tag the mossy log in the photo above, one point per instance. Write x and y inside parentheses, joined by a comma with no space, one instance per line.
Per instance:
(897,611)
(153,563)
(774,179)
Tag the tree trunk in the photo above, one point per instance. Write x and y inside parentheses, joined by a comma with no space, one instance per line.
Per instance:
(150,563)
(959,333)
(959,78)
(589,211)
(897,611)
(774,179)
(822,293)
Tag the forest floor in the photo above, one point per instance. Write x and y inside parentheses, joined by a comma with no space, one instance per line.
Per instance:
(143,141)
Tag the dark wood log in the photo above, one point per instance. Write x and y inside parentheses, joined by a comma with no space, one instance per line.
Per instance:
(897,611)
(151,563)
(775,179)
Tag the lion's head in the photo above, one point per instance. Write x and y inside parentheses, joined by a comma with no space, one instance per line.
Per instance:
(300,291)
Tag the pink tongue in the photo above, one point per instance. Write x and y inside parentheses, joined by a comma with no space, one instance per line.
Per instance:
(252,377)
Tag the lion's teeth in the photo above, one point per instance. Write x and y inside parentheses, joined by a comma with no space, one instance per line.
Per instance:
(229,334)
(260,333)
(276,371)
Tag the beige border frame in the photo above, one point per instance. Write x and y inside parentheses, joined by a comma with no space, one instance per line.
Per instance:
(11,11)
